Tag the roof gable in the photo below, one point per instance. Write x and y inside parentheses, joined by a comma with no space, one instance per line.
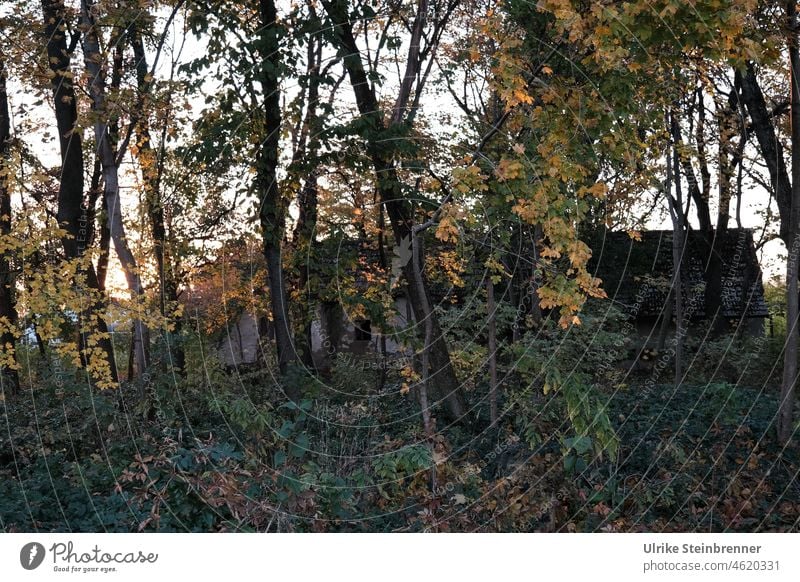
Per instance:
(638,275)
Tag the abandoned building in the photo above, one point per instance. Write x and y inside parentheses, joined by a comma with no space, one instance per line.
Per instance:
(638,276)
(332,332)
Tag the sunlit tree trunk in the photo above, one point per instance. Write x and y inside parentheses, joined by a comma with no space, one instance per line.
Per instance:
(110,167)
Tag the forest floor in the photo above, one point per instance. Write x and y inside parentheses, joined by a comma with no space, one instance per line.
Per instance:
(695,458)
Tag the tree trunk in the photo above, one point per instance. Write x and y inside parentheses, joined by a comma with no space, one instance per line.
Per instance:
(304,239)
(304,242)
(492,333)
(108,160)
(714,267)
(786,407)
(699,197)
(8,310)
(666,320)
(272,209)
(423,385)
(714,243)
(712,263)
(151,180)
(70,214)
(397,206)
(769,144)
(678,246)
(104,246)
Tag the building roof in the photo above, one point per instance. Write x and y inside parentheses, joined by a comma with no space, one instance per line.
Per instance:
(637,275)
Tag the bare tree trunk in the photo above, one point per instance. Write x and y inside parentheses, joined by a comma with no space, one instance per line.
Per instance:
(727,158)
(666,320)
(304,239)
(788,387)
(422,387)
(716,241)
(712,264)
(769,144)
(678,245)
(110,165)
(8,309)
(70,190)
(492,333)
(272,208)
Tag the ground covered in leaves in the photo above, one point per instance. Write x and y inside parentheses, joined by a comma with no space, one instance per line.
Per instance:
(696,458)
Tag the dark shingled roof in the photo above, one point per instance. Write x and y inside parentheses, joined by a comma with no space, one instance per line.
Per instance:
(637,275)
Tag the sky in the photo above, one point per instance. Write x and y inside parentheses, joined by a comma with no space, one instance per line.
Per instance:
(444,116)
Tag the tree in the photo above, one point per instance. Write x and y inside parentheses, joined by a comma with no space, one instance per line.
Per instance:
(8,310)
(109,161)
(272,208)
(375,125)
(71,211)
(788,388)
(679,235)
(786,189)
(304,171)
(152,167)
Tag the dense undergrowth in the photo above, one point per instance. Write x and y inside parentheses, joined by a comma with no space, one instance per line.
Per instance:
(224,451)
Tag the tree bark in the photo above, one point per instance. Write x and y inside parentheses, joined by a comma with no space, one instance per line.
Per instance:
(110,167)
(305,242)
(699,196)
(272,208)
(71,212)
(788,387)
(104,246)
(304,238)
(712,264)
(424,384)
(8,309)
